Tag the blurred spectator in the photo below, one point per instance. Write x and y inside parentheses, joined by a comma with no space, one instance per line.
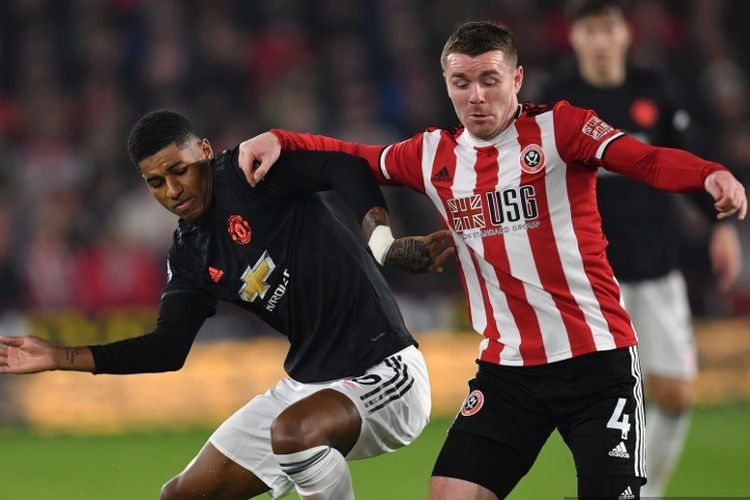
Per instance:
(116,272)
(50,262)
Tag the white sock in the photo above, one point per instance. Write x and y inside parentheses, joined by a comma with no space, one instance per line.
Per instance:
(665,437)
(319,473)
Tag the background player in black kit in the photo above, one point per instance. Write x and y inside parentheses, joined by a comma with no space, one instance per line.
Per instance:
(645,105)
(357,385)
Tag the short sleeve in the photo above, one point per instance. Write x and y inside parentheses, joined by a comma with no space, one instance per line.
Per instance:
(581,136)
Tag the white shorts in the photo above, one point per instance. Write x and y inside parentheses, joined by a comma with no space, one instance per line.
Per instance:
(660,313)
(393,399)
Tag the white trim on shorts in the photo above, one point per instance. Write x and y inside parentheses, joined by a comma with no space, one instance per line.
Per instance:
(639,459)
(392,397)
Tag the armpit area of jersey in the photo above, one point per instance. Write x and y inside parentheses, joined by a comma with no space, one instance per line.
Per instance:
(180,317)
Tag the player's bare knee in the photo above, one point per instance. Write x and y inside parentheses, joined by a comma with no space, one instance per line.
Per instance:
(178,489)
(170,490)
(674,398)
(290,435)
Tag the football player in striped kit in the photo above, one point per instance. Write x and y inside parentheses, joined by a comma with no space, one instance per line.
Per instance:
(516,186)
(357,384)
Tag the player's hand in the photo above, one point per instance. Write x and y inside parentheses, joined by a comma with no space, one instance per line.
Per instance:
(257,155)
(26,354)
(420,254)
(729,195)
(726,256)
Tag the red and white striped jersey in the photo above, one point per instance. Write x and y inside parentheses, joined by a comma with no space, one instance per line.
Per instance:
(523,214)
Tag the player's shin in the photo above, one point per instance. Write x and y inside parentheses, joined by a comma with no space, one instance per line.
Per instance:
(665,437)
(320,473)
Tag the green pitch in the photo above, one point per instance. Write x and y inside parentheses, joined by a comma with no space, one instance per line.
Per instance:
(133,466)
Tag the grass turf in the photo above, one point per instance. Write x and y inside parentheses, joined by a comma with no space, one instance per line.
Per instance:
(133,466)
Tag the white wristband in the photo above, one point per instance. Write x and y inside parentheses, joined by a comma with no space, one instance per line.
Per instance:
(380,242)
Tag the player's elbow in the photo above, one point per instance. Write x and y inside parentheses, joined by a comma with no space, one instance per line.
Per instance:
(176,365)
(175,361)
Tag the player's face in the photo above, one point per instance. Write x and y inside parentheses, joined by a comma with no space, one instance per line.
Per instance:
(484,90)
(180,178)
(601,40)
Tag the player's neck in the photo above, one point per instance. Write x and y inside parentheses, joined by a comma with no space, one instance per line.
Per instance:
(603,76)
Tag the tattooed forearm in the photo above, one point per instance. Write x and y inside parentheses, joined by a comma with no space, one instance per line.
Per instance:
(376,216)
(409,255)
(71,355)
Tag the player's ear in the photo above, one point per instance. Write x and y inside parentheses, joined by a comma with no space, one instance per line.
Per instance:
(517,78)
(205,146)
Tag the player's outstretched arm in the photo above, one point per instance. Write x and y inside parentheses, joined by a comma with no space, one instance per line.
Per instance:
(29,354)
(165,349)
(258,155)
(677,170)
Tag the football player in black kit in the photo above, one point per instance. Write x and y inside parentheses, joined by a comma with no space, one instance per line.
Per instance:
(642,103)
(357,385)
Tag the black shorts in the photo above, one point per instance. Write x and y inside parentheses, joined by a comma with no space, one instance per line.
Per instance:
(594,400)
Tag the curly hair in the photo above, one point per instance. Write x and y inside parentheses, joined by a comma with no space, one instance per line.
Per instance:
(156,130)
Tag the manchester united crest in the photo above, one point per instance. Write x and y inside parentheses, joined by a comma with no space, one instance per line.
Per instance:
(239,229)
(473,403)
(532,159)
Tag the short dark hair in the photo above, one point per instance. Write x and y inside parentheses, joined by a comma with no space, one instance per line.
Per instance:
(156,130)
(477,37)
(578,9)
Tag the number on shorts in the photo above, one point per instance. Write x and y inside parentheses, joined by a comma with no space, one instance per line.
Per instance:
(620,420)
(369,379)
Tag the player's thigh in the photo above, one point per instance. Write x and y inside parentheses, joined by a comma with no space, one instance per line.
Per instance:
(450,488)
(499,430)
(393,401)
(604,426)
(475,467)
(660,313)
(326,417)
(213,475)
(245,437)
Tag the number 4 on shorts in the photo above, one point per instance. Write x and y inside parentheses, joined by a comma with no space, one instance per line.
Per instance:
(620,420)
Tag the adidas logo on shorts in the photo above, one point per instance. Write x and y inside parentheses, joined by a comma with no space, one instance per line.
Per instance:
(619,451)
(627,494)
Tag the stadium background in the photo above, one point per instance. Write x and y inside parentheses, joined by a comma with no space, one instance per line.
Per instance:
(82,243)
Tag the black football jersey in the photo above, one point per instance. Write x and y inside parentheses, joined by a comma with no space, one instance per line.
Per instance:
(280,253)
(641,222)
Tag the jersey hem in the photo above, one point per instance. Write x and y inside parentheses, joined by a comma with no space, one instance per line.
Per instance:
(562,356)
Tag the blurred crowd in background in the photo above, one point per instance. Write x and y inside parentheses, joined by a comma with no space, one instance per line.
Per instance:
(78,228)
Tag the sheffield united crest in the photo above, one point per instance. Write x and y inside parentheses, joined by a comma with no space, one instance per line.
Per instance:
(473,403)
(532,159)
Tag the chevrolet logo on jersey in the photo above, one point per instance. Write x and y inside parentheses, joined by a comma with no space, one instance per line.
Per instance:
(254,278)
